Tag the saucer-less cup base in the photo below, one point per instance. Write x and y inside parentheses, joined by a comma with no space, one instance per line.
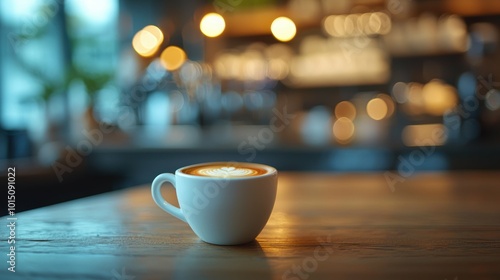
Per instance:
(222,211)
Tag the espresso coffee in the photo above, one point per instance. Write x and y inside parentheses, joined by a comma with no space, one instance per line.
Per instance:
(225,170)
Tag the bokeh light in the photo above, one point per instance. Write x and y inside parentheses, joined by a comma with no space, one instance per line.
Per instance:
(279,50)
(227,66)
(389,102)
(467,83)
(345,109)
(156,32)
(255,63)
(377,108)
(454,32)
(316,126)
(415,100)
(424,135)
(172,58)
(399,92)
(190,72)
(434,98)
(492,99)
(277,69)
(147,40)
(377,23)
(343,130)
(253,66)
(283,29)
(212,25)
(438,97)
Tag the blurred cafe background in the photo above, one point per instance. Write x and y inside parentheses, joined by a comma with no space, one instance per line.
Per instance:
(98,95)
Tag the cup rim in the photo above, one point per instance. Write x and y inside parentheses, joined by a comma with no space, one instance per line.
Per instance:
(272,171)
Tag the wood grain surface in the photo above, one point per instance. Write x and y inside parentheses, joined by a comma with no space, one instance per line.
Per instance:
(324,226)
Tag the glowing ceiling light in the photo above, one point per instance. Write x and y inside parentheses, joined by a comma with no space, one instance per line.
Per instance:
(283,29)
(212,25)
(172,58)
(155,31)
(147,40)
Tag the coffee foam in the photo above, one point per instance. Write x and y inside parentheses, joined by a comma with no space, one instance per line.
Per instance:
(224,171)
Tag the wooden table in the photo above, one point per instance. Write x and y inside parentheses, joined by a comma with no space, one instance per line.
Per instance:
(324,226)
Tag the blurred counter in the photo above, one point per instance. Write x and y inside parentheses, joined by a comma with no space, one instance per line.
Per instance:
(101,162)
(148,152)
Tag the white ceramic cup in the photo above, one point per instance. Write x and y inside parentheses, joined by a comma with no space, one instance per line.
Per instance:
(221,210)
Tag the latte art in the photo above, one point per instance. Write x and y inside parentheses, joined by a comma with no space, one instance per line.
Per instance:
(227,172)
(222,171)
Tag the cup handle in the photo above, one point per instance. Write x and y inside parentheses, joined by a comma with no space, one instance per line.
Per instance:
(158,198)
